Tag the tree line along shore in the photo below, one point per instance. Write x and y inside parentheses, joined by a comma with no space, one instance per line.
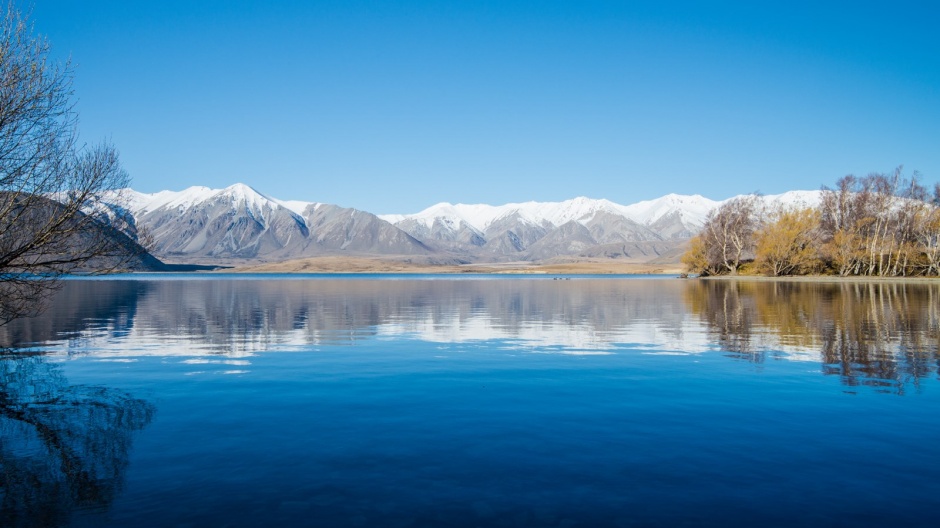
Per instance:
(880,225)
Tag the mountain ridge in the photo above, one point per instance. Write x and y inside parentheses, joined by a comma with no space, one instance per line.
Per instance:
(239,223)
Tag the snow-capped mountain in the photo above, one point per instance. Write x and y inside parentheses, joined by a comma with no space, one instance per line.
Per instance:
(238,194)
(692,210)
(793,199)
(517,226)
(577,226)
(200,224)
(673,216)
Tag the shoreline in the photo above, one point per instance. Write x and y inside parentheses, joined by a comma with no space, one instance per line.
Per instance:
(821,279)
(370,265)
(598,267)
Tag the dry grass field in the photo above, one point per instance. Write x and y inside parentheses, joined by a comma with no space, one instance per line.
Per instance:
(391,265)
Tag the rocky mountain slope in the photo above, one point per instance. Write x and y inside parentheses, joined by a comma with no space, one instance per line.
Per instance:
(538,230)
(241,224)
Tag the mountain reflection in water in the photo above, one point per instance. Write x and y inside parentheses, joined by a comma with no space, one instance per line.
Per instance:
(868,333)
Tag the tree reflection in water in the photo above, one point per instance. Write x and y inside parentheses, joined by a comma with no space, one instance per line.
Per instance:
(880,334)
(62,447)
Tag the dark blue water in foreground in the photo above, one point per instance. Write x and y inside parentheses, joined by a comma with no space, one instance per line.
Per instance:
(472,402)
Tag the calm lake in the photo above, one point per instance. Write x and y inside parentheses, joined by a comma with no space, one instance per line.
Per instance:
(305,400)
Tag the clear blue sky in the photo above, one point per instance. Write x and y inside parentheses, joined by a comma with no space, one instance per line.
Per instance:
(392,106)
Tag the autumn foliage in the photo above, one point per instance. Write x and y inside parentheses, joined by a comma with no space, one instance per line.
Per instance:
(788,243)
(879,225)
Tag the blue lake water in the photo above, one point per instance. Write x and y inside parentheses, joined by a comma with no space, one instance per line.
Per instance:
(205,400)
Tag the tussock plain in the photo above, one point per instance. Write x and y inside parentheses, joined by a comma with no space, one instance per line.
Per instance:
(388,265)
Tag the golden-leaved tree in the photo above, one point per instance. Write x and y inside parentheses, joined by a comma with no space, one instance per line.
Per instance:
(787,243)
(881,225)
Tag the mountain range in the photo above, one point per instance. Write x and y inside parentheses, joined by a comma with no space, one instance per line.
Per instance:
(238,224)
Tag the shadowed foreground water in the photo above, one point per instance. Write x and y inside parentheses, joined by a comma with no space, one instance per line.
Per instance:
(463,401)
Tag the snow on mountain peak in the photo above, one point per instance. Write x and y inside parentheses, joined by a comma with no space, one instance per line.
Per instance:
(692,208)
(448,213)
(181,200)
(237,194)
(796,198)
(254,202)
(481,216)
(242,192)
(580,209)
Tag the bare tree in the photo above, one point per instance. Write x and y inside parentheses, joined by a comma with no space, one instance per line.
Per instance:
(842,210)
(728,233)
(50,184)
(879,225)
(923,214)
(927,235)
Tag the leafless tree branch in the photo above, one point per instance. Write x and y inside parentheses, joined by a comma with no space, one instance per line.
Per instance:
(51,185)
